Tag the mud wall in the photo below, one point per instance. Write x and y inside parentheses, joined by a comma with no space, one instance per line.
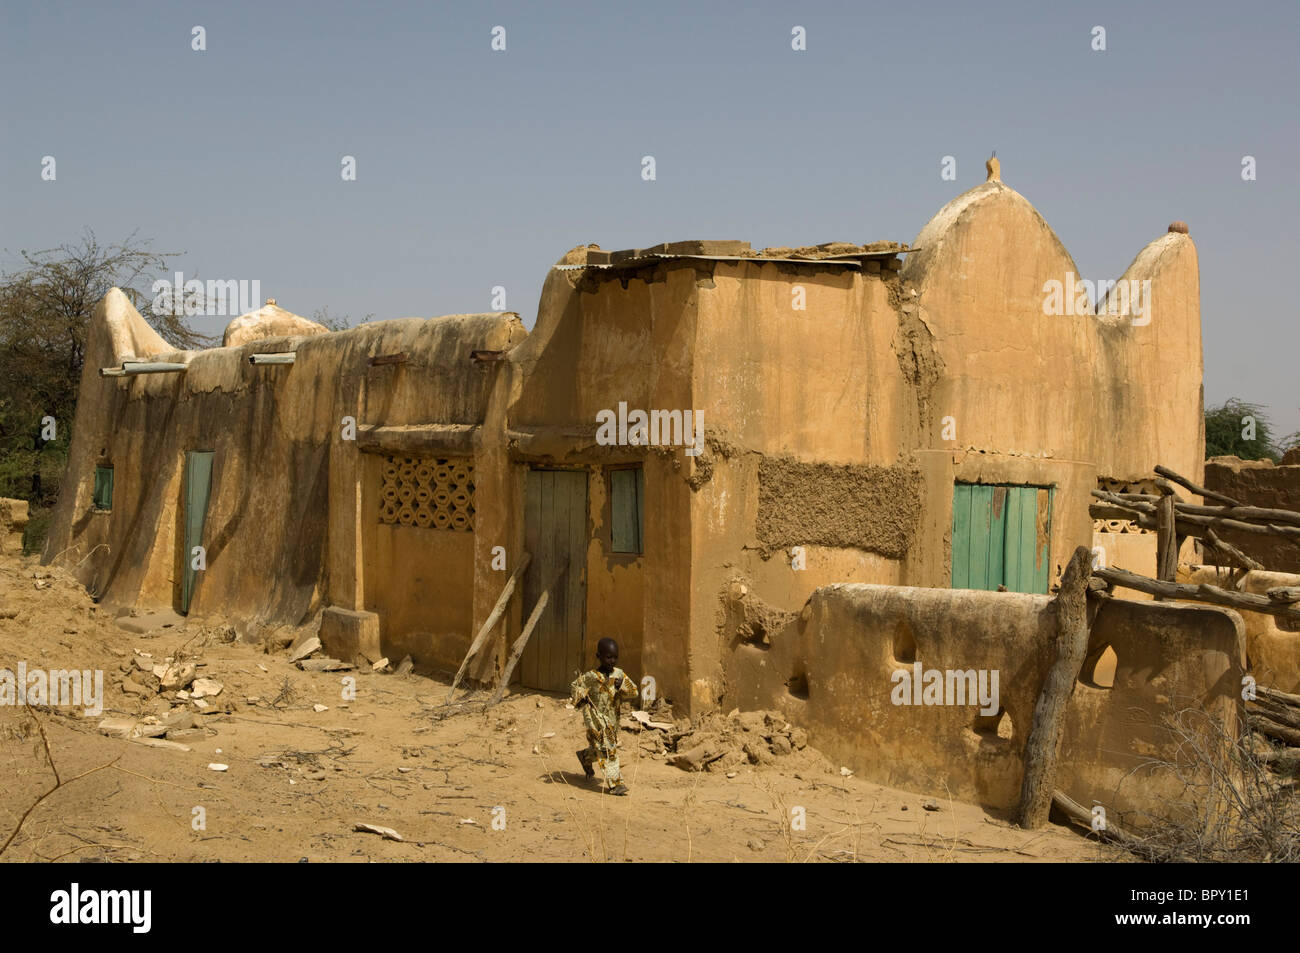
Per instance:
(865,507)
(1259,483)
(602,339)
(1109,391)
(1272,646)
(285,509)
(832,670)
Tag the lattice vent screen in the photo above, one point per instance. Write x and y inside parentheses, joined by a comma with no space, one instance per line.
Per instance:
(431,492)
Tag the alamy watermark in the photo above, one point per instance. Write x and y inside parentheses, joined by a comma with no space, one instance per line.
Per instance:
(218,297)
(916,686)
(1075,296)
(70,688)
(655,428)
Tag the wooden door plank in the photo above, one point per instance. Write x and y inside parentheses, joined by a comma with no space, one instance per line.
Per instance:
(561,485)
(575,632)
(1028,547)
(1042,539)
(198,480)
(981,510)
(961,497)
(1011,549)
(997,536)
(532,544)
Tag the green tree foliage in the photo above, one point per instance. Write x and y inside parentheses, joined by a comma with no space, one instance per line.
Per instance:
(45,309)
(1241,429)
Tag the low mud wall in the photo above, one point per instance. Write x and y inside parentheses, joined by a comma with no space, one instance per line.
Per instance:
(847,669)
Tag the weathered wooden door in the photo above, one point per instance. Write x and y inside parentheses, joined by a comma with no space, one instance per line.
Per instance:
(555,533)
(198,485)
(1000,537)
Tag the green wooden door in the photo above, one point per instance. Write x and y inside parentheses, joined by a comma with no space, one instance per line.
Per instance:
(555,533)
(198,486)
(1000,537)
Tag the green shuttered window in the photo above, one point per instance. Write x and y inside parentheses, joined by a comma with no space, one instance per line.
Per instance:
(1000,537)
(627,509)
(103,488)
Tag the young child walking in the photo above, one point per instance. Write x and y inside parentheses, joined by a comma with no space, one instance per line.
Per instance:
(599,694)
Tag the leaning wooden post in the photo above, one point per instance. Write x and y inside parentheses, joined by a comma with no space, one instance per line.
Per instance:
(1166,539)
(1044,745)
(502,601)
(518,649)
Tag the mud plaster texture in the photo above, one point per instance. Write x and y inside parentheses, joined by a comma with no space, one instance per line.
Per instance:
(1258,483)
(857,506)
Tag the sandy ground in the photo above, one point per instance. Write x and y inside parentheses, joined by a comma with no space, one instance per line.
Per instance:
(455,782)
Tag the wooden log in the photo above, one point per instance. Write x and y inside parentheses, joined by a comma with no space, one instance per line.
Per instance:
(1102,511)
(1081,815)
(1244,513)
(1233,552)
(1166,541)
(1202,593)
(1268,726)
(517,650)
(1124,502)
(1273,694)
(1166,488)
(1186,520)
(1284,593)
(1044,744)
(1194,488)
(1282,714)
(502,601)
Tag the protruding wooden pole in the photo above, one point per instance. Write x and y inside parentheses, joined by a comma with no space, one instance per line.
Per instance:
(1044,744)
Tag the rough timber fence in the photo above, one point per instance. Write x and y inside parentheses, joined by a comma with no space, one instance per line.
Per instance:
(1271,712)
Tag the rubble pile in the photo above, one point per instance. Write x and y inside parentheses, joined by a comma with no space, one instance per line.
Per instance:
(719,743)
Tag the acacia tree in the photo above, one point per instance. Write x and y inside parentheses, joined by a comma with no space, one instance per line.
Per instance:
(1243,430)
(45,309)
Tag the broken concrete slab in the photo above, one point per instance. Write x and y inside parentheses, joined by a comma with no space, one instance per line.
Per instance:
(346,633)
(324,665)
(385,832)
(205,688)
(303,646)
(161,743)
(186,734)
(117,727)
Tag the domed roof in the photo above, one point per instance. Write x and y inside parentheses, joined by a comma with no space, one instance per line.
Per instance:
(268,321)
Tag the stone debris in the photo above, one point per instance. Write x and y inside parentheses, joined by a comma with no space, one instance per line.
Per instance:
(324,665)
(176,676)
(717,743)
(318,708)
(216,766)
(205,688)
(385,832)
(380,666)
(116,727)
(404,667)
(303,648)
